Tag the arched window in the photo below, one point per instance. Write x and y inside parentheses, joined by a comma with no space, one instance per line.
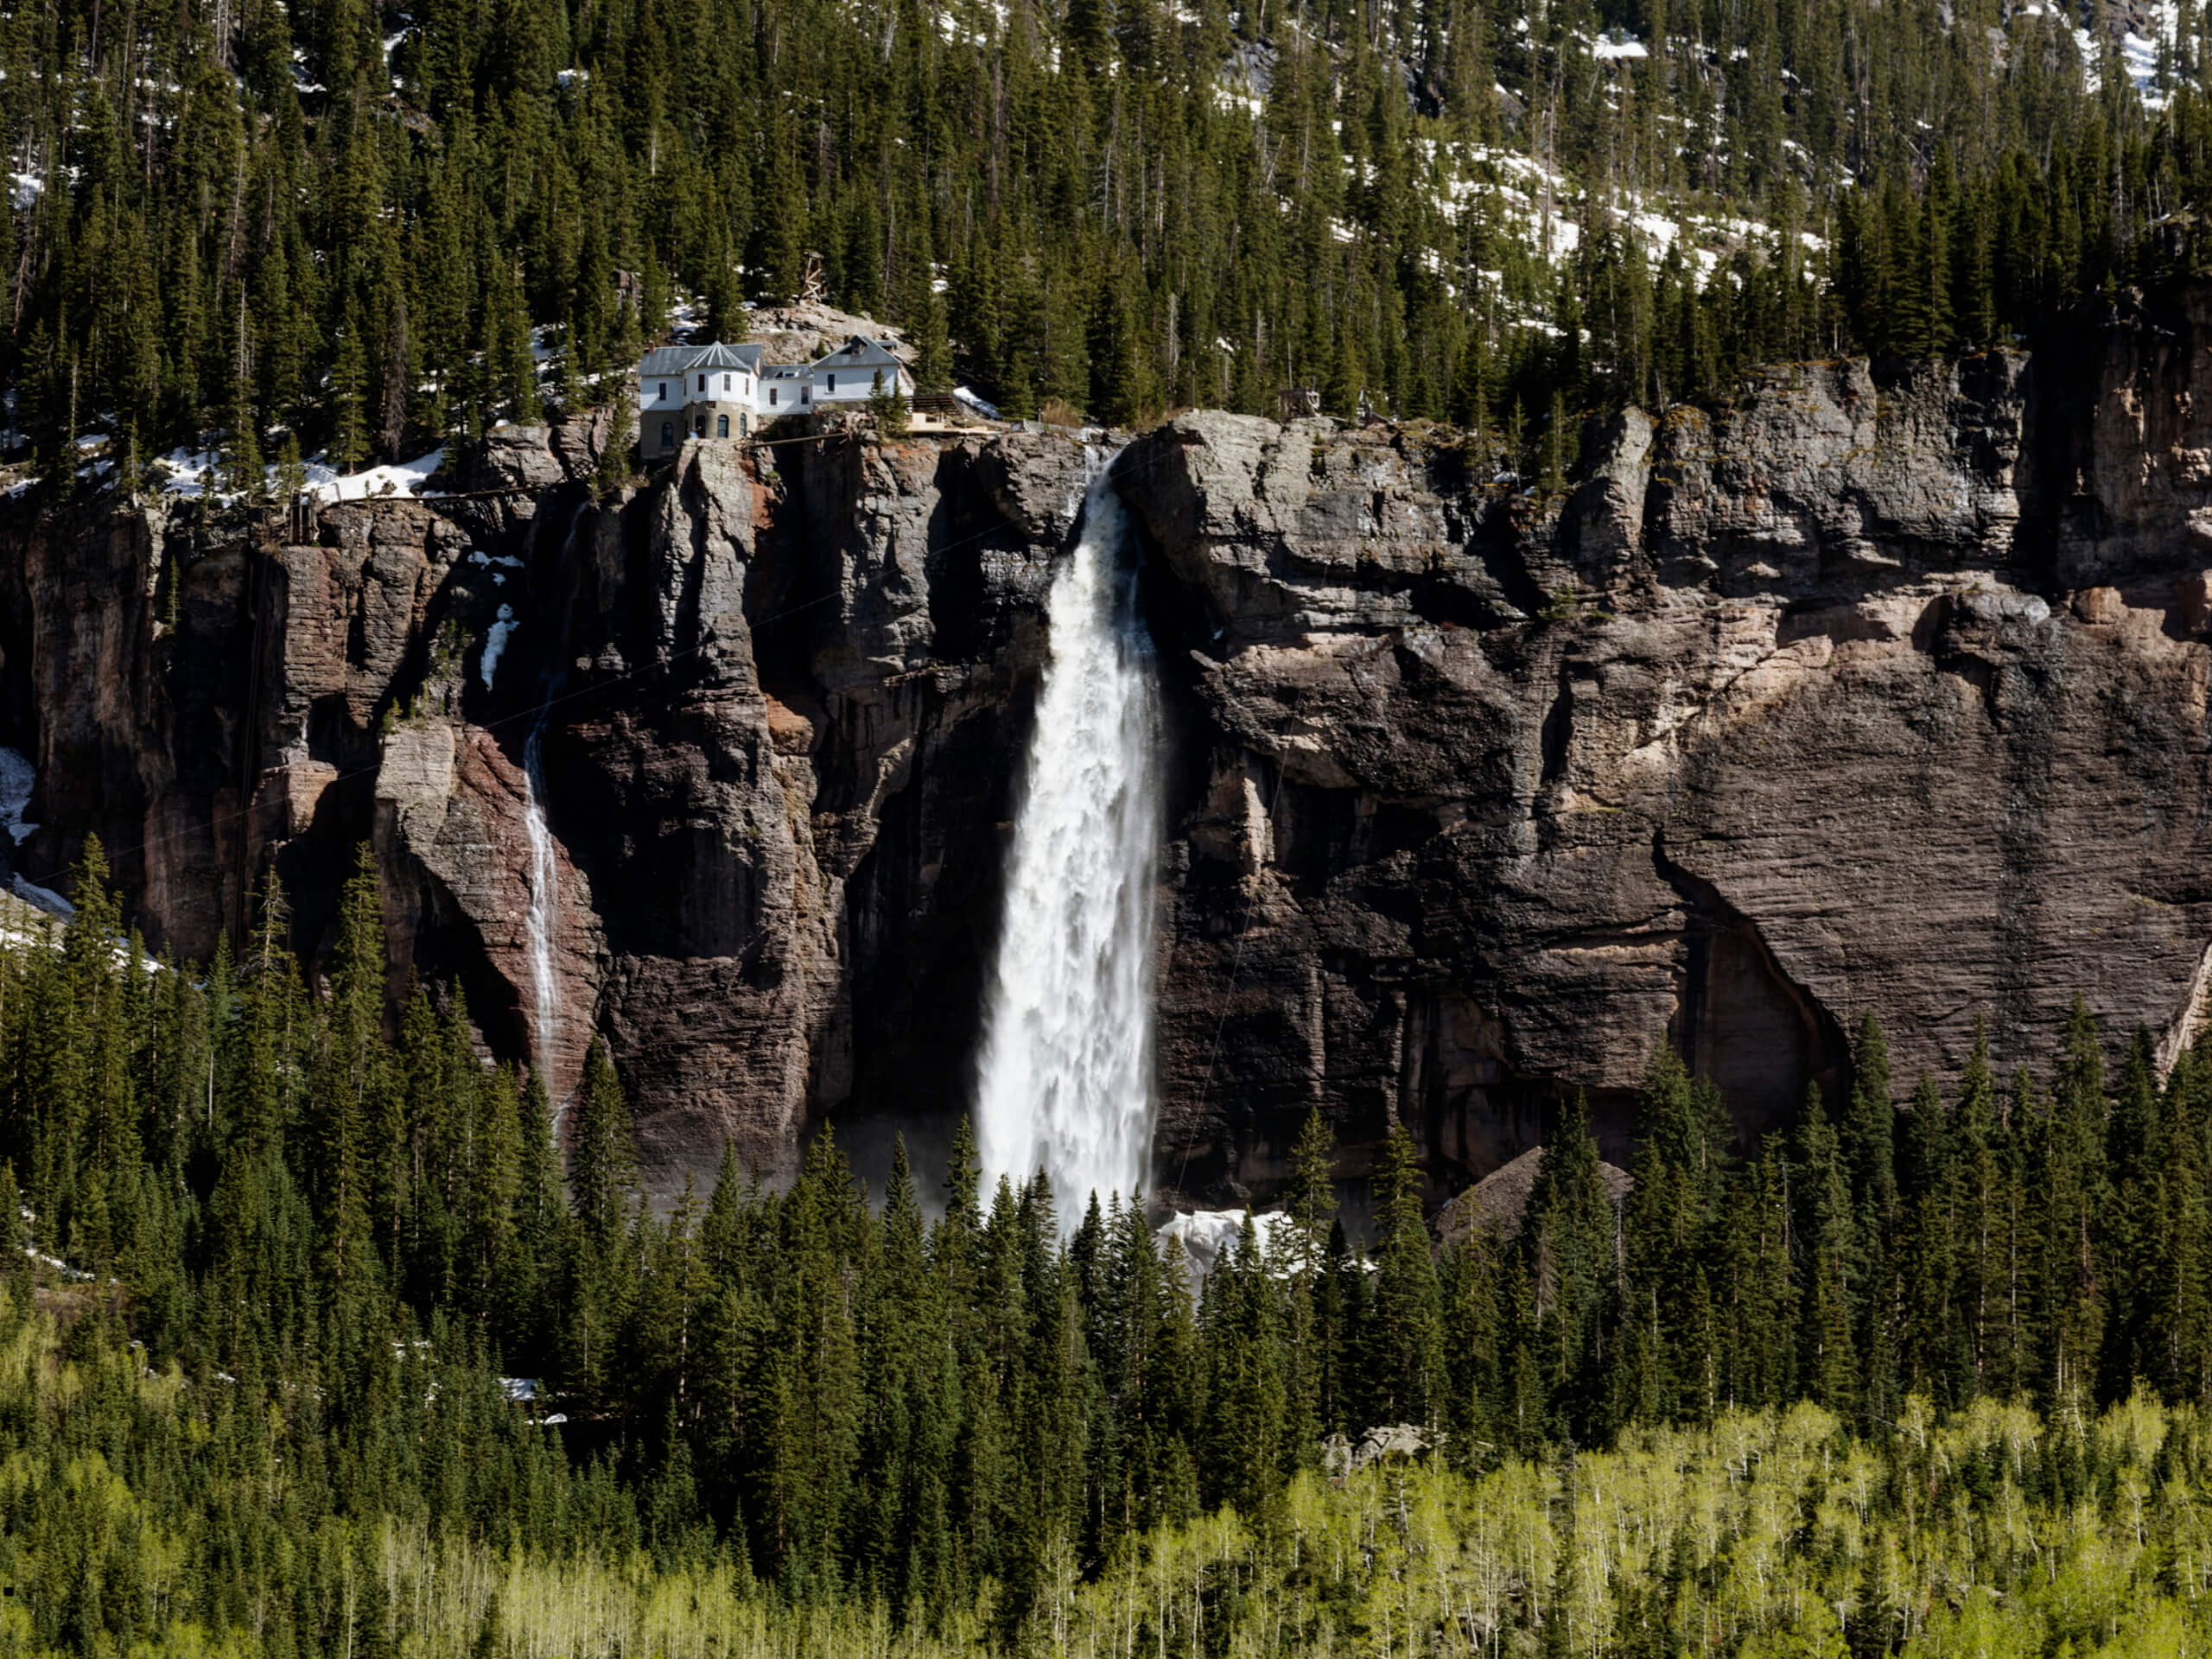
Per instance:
(699,426)
(668,435)
(721,426)
(744,426)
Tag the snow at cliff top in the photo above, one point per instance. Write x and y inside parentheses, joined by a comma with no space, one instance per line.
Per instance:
(194,473)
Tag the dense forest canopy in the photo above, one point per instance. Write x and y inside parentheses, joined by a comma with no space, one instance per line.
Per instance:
(297,1308)
(343,227)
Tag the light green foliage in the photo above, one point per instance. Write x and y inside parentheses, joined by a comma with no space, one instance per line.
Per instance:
(1768,1534)
(282,1247)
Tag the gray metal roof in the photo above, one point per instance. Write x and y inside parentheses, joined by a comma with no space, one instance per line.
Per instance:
(860,352)
(666,359)
(679,360)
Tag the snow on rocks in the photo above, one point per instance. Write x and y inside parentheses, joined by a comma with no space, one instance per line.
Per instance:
(18,778)
(495,643)
(193,474)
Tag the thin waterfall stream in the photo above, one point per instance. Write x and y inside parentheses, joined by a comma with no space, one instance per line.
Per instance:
(1066,1070)
(544,865)
(544,894)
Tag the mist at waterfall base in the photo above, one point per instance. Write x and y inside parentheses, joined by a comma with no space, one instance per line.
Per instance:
(1066,1075)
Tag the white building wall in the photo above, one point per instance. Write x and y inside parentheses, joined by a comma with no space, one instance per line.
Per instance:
(650,403)
(856,386)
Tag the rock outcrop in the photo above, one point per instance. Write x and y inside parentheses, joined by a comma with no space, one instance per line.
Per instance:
(1882,689)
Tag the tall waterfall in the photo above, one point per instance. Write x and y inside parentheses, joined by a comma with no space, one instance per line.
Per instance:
(1066,1076)
(544,894)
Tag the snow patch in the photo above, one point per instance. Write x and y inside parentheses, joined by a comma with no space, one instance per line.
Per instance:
(45,898)
(18,778)
(404,478)
(495,642)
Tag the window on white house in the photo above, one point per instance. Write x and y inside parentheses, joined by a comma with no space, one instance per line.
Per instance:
(772,396)
(806,395)
(702,386)
(832,386)
(660,392)
(725,383)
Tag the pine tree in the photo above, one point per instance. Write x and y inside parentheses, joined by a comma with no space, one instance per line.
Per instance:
(1867,1141)
(2139,1250)
(1569,1241)
(1935,1357)
(1979,1139)
(933,361)
(2068,1186)
(1829,1363)
(349,382)
(1402,1339)
(1668,1317)
(350,1078)
(603,1154)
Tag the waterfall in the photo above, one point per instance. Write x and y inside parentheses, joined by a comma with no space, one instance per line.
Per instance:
(544,894)
(1066,1072)
(544,870)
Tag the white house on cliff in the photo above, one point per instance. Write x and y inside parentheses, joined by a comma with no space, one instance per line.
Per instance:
(725,391)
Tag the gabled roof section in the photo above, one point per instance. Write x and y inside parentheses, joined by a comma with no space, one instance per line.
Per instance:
(718,356)
(679,360)
(860,352)
(667,359)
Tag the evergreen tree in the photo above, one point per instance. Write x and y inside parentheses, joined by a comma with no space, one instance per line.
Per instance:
(1402,1337)
(1568,1241)
(1828,1361)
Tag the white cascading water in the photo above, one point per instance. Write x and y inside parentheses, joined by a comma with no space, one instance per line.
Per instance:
(544,894)
(1066,1072)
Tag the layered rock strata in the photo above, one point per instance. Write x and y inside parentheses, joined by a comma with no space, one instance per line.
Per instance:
(1882,689)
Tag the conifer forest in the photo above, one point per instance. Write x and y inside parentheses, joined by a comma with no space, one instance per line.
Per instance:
(339,227)
(326,1332)
(310,1348)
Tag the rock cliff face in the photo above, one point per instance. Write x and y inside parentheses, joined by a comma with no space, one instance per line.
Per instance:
(1884,689)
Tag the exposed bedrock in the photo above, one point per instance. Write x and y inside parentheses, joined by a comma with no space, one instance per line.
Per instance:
(1883,689)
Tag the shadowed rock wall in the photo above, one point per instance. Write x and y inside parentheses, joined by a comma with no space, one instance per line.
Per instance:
(1884,689)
